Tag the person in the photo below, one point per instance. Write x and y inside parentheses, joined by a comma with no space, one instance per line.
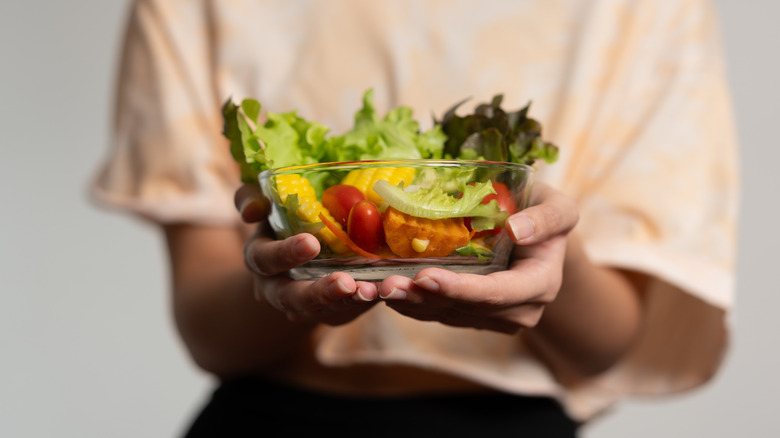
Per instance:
(621,280)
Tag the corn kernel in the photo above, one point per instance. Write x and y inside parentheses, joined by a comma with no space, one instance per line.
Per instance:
(420,245)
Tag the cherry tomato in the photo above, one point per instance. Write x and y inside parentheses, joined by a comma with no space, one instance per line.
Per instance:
(505,201)
(339,199)
(504,198)
(365,226)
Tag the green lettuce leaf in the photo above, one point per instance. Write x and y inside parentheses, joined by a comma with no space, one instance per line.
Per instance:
(286,139)
(474,250)
(435,203)
(244,145)
(393,137)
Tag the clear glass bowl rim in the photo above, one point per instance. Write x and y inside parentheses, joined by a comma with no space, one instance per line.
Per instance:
(392,163)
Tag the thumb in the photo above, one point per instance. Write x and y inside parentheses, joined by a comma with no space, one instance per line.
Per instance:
(552,213)
(251,203)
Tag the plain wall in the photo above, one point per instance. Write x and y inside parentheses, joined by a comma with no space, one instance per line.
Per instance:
(87,347)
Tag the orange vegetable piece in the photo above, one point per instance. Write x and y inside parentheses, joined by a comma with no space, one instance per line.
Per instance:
(443,236)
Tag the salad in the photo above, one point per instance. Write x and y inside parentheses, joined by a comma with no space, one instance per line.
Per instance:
(390,190)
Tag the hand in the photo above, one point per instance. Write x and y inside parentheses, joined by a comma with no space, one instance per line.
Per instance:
(504,301)
(333,300)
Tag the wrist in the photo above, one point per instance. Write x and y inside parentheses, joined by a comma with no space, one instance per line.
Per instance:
(594,319)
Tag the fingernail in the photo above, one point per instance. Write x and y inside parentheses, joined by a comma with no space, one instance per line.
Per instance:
(343,289)
(304,247)
(395,294)
(361,296)
(520,227)
(244,204)
(427,283)
(251,210)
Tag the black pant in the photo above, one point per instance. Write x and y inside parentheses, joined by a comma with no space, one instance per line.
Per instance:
(252,407)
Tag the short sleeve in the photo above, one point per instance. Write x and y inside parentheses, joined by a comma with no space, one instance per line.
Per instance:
(655,173)
(166,161)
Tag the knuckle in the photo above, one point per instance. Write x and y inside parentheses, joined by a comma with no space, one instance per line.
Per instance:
(286,254)
(552,220)
(250,257)
(285,304)
(495,295)
(493,300)
(557,214)
(257,259)
(554,285)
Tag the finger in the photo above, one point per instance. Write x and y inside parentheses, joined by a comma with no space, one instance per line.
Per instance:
(312,296)
(551,213)
(366,292)
(505,301)
(454,317)
(395,288)
(270,257)
(470,290)
(330,300)
(400,288)
(251,203)
(527,281)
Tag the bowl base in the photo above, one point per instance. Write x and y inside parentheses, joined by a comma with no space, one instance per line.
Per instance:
(363,269)
(380,272)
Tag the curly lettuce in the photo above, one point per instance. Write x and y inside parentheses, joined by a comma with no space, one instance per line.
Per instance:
(286,139)
(493,134)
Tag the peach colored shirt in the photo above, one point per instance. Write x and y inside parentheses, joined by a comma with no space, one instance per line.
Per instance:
(633,92)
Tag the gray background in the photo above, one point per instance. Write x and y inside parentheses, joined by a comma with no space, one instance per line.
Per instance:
(86,343)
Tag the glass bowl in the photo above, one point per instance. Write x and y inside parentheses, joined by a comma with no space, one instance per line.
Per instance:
(397,242)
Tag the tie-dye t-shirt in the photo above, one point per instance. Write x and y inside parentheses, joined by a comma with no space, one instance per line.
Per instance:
(632,91)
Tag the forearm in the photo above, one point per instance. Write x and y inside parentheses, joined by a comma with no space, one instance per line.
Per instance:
(594,320)
(226,330)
